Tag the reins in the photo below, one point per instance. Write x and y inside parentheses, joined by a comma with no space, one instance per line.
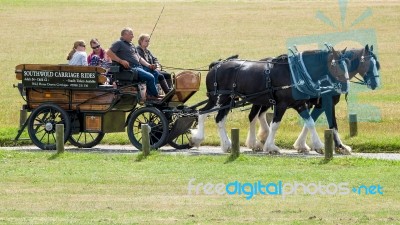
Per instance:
(206,70)
(190,69)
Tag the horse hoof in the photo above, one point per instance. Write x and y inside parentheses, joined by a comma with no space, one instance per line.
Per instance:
(303,151)
(319,150)
(274,152)
(301,147)
(342,151)
(256,149)
(226,150)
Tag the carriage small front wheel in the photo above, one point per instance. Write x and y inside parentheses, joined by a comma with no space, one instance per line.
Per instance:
(42,125)
(158,127)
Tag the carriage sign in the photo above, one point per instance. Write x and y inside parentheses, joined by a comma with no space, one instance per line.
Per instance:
(59,79)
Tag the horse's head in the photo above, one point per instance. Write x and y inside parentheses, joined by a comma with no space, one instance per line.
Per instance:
(368,67)
(364,62)
(338,65)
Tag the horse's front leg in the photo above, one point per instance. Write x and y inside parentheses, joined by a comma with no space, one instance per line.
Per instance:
(226,143)
(340,148)
(300,144)
(220,119)
(309,124)
(198,134)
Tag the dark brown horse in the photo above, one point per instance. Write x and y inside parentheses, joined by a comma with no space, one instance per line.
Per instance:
(362,61)
(266,84)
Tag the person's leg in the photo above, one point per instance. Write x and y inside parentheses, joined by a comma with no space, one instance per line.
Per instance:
(160,78)
(150,81)
(167,78)
(155,73)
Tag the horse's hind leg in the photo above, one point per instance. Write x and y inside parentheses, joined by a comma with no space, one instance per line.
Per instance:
(251,140)
(263,131)
(269,145)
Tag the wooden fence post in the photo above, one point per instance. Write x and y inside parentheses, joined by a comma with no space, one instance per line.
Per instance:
(60,138)
(328,135)
(353,124)
(145,139)
(235,143)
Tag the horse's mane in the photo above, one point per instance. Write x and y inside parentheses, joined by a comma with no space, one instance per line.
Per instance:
(221,60)
(279,59)
(312,52)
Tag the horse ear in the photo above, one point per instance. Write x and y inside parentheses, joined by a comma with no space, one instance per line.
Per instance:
(344,50)
(371,48)
(366,48)
(335,53)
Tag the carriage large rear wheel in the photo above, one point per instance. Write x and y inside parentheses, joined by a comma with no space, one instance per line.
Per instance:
(42,125)
(158,127)
(86,139)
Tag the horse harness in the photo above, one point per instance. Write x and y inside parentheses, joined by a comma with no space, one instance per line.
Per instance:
(269,88)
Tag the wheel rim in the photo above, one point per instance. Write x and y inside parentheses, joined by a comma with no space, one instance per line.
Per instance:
(86,139)
(158,127)
(43,125)
(182,141)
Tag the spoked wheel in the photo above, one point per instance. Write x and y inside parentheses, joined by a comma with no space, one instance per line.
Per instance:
(42,125)
(158,127)
(86,139)
(80,138)
(182,141)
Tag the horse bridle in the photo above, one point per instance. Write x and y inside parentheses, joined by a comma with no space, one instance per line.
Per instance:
(362,60)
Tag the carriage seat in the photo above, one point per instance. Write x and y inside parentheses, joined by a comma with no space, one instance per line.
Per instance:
(122,76)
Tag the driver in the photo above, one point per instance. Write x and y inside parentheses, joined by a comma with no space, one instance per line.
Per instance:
(125,53)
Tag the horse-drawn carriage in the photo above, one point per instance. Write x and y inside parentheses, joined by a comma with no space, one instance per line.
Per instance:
(76,97)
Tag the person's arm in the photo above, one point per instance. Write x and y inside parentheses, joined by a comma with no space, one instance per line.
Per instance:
(84,61)
(143,61)
(115,58)
(155,60)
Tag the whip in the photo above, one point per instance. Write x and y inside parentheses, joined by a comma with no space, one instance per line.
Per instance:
(157,21)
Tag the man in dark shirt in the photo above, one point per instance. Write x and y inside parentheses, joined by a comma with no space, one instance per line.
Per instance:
(124,52)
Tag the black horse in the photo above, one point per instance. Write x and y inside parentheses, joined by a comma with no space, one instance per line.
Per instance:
(264,83)
(362,61)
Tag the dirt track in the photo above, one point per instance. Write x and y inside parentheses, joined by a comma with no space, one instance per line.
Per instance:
(205,150)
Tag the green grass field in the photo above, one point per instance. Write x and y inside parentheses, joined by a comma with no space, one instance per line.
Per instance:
(39,187)
(95,188)
(192,34)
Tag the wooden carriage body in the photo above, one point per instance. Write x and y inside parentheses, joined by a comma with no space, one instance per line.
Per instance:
(93,107)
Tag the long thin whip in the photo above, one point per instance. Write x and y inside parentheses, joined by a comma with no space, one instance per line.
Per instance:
(157,21)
